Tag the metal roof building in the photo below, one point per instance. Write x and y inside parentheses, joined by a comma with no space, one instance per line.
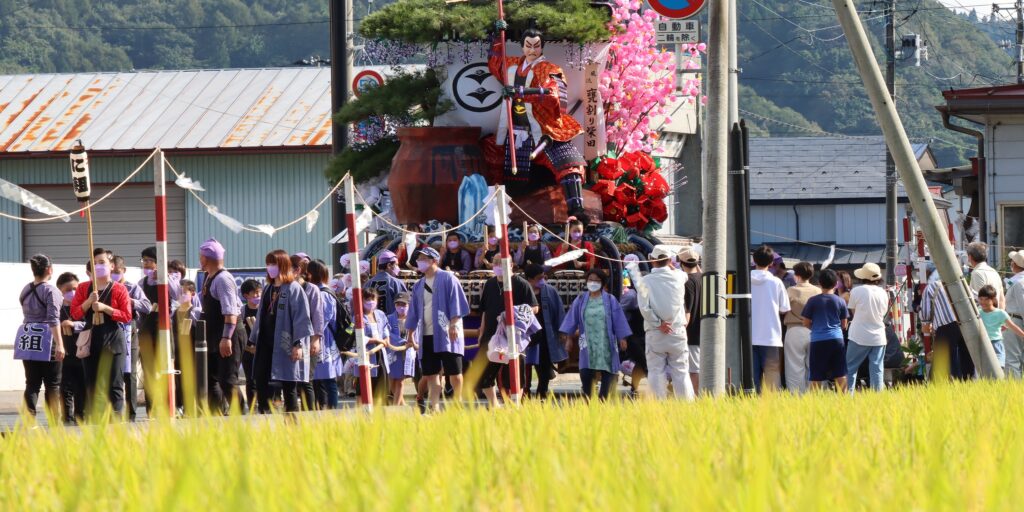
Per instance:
(257,139)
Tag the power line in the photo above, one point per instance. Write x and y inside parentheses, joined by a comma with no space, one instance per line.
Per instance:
(179,27)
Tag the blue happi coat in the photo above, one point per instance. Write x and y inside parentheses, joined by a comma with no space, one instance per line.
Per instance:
(381,330)
(316,308)
(293,324)
(403,363)
(449,303)
(553,313)
(615,323)
(329,365)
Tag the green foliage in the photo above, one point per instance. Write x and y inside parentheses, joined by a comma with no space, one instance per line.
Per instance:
(365,163)
(412,98)
(430,21)
(813,74)
(404,100)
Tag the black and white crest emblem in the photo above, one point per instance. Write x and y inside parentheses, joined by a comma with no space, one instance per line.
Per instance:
(475,89)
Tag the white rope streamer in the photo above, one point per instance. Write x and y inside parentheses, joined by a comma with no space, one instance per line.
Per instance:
(265,227)
(91,205)
(481,211)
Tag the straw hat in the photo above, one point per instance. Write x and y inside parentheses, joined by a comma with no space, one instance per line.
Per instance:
(869,272)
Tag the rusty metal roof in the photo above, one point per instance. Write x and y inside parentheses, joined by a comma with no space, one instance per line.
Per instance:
(199,109)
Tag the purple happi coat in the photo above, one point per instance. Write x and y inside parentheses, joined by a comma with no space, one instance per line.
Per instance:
(615,323)
(449,305)
(293,324)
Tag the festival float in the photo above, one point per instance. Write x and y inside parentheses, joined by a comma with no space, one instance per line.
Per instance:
(579,86)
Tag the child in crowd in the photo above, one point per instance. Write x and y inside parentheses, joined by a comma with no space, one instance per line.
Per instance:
(995,321)
(826,316)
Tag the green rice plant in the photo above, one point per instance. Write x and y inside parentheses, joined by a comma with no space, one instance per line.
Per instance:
(937,447)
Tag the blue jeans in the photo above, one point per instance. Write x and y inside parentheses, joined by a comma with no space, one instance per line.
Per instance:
(855,355)
(1000,352)
(767,366)
(326,391)
(587,379)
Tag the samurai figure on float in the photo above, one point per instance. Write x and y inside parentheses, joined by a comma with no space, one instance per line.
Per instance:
(540,121)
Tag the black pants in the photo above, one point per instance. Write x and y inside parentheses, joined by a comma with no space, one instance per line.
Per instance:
(250,382)
(307,396)
(544,371)
(223,378)
(587,379)
(131,385)
(291,395)
(104,379)
(39,374)
(72,387)
(961,366)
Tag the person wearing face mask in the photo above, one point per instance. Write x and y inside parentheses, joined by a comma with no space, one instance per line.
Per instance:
(491,308)
(377,334)
(107,341)
(386,282)
(39,344)
(251,290)
(532,251)
(141,306)
(456,259)
(435,325)
(72,374)
(328,363)
(585,262)
(596,318)
(221,308)
(281,335)
(148,324)
(485,255)
(300,265)
(545,350)
(401,355)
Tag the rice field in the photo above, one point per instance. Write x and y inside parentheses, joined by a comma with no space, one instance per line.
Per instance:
(944,447)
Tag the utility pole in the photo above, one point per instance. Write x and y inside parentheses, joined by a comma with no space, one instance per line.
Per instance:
(935,232)
(1020,41)
(891,179)
(712,335)
(342,16)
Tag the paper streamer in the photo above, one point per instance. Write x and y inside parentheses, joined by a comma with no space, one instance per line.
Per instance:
(567,257)
(186,183)
(266,229)
(234,225)
(31,201)
(831,257)
(311,220)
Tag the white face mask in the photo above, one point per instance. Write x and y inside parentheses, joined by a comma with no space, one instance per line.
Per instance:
(594,286)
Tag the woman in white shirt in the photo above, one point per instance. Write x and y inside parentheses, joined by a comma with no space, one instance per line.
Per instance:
(869,304)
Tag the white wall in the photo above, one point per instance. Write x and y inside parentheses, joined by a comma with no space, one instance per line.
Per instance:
(817,223)
(12,374)
(1005,172)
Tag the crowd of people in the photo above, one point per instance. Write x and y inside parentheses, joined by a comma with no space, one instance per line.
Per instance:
(292,337)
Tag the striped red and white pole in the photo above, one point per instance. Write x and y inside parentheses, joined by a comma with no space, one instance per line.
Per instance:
(163,300)
(501,220)
(365,390)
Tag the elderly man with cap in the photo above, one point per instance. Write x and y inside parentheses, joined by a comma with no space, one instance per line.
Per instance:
(221,309)
(663,306)
(689,260)
(437,307)
(1015,307)
(386,281)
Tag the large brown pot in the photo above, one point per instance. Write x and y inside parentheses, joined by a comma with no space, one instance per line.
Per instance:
(428,169)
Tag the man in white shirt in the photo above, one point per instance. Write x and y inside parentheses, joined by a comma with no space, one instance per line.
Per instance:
(768,303)
(982,274)
(662,304)
(869,304)
(1015,307)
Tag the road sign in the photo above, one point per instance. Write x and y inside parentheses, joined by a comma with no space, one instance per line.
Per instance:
(366,79)
(677,9)
(677,31)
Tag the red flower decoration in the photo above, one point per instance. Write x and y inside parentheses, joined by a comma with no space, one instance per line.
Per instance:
(655,185)
(614,211)
(637,220)
(606,188)
(609,169)
(645,163)
(625,194)
(654,210)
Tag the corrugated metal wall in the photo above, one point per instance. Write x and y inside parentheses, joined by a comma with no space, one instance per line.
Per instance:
(258,189)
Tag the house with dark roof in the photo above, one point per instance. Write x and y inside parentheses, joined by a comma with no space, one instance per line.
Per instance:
(809,193)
